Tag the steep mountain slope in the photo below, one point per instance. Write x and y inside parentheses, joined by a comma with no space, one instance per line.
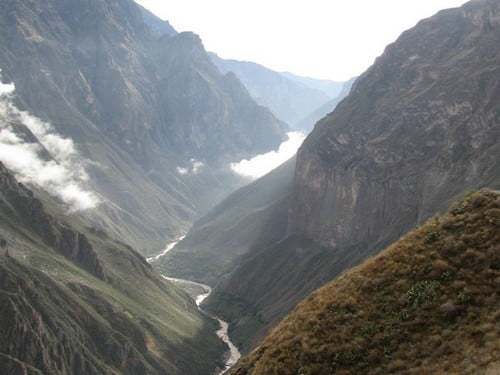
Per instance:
(289,99)
(75,301)
(158,26)
(229,230)
(429,304)
(307,123)
(153,113)
(418,128)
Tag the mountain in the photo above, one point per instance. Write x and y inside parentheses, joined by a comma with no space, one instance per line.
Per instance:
(427,305)
(308,122)
(331,88)
(213,246)
(417,129)
(74,301)
(158,26)
(289,97)
(157,121)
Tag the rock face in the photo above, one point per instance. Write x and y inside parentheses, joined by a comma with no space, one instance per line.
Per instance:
(73,301)
(158,26)
(61,237)
(428,304)
(418,129)
(138,104)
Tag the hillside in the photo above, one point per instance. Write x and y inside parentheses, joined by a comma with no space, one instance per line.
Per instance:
(418,128)
(429,304)
(74,301)
(157,121)
(214,245)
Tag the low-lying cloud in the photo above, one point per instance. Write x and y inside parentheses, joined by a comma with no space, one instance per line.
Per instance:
(194,167)
(259,165)
(63,175)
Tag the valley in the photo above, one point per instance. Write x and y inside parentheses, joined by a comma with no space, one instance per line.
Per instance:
(166,210)
(200,292)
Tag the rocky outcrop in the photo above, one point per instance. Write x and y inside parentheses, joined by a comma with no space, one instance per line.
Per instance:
(30,211)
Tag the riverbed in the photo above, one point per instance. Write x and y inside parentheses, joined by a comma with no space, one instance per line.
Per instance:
(200,292)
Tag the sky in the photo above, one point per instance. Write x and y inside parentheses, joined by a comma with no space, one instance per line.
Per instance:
(328,39)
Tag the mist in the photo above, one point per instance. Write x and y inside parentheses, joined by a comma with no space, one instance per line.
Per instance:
(62,175)
(261,164)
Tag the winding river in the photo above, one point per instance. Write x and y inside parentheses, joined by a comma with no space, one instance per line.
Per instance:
(200,293)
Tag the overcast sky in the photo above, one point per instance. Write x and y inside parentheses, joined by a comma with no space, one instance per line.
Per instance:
(329,39)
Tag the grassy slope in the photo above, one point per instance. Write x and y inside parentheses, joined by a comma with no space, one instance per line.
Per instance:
(428,304)
(59,318)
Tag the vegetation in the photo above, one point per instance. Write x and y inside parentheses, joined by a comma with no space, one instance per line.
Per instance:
(74,301)
(428,304)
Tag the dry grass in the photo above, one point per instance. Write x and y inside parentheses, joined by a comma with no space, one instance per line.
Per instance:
(429,304)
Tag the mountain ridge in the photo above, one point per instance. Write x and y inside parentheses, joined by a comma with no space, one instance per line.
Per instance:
(143,106)
(412,135)
(290,97)
(75,301)
(427,304)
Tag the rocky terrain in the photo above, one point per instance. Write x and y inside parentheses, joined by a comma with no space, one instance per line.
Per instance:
(427,304)
(75,301)
(417,130)
(139,121)
(157,119)
(208,254)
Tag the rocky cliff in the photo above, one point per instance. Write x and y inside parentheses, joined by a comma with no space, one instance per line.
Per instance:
(141,107)
(417,129)
(22,204)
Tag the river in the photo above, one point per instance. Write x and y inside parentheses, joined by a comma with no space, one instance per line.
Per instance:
(200,292)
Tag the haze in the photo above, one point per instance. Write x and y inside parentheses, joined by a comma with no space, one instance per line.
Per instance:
(318,38)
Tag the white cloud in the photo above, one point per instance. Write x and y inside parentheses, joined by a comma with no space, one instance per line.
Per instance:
(259,165)
(182,171)
(6,88)
(63,176)
(194,167)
